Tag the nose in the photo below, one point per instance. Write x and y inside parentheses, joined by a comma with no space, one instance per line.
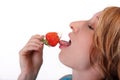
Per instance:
(74,26)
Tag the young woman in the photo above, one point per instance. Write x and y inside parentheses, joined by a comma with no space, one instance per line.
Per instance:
(93,51)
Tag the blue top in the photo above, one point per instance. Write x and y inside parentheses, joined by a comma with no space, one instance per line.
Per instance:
(66,77)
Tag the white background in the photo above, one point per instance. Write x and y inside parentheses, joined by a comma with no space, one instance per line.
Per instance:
(20,19)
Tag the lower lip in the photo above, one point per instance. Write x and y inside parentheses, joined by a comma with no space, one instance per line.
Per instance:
(61,46)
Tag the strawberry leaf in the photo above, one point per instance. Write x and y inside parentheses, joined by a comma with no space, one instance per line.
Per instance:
(45,41)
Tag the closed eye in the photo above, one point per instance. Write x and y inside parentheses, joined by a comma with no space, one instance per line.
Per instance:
(90,27)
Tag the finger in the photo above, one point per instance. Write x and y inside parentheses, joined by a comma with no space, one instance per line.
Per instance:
(39,37)
(37,41)
(34,44)
(29,48)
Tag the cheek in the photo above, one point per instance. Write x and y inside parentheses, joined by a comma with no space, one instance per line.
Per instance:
(77,55)
(85,41)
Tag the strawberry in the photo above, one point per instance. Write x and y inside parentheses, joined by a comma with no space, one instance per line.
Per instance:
(51,39)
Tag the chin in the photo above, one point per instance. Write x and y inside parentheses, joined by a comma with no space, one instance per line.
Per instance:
(64,60)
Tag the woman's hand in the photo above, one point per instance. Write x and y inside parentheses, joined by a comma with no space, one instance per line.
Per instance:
(31,58)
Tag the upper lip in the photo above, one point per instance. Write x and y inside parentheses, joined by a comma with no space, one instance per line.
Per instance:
(63,42)
(70,41)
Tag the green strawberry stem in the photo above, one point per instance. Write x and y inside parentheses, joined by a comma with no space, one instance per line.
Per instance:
(45,42)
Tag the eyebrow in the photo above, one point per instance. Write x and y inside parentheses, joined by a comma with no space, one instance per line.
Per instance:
(97,17)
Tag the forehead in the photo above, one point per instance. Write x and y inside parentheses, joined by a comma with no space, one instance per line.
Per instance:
(97,15)
(95,18)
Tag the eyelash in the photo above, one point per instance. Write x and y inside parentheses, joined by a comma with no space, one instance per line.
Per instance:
(90,27)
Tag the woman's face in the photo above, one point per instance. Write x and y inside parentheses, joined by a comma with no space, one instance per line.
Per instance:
(75,54)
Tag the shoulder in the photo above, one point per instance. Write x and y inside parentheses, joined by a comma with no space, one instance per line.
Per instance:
(66,77)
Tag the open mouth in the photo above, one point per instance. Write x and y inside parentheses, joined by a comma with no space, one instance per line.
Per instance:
(64,43)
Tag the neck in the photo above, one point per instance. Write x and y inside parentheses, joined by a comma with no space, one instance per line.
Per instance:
(90,74)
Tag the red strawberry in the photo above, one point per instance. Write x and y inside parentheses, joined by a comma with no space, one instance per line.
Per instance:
(51,39)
